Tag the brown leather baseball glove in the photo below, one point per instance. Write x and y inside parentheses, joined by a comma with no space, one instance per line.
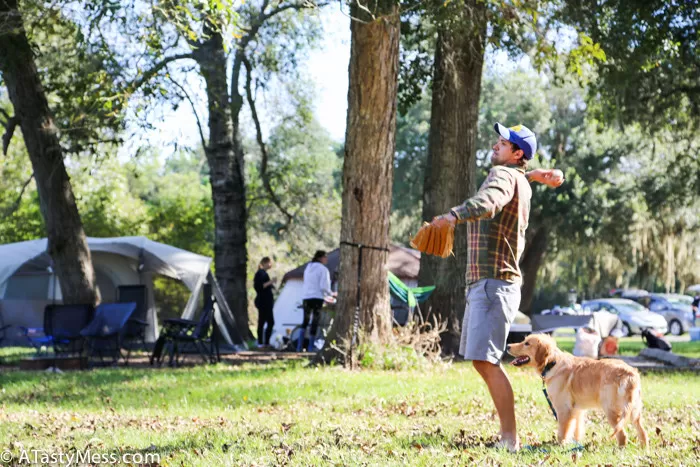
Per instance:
(432,240)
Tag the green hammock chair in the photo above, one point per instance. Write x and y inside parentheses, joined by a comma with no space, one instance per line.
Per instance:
(409,295)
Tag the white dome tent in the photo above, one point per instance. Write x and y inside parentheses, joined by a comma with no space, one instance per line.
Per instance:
(28,284)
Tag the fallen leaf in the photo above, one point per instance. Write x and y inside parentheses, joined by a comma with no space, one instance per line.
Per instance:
(286,427)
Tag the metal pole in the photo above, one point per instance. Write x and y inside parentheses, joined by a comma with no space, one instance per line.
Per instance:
(358,305)
(358,300)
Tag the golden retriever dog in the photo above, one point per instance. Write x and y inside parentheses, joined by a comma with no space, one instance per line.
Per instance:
(575,384)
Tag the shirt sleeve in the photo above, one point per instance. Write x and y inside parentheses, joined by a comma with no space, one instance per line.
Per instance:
(494,194)
(258,282)
(326,282)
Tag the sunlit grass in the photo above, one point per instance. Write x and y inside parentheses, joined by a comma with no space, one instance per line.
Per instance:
(286,413)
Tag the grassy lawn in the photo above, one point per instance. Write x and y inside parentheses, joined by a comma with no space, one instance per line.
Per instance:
(286,413)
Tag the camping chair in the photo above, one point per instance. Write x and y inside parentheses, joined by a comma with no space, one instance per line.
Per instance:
(105,333)
(181,333)
(135,332)
(62,326)
(411,296)
(37,338)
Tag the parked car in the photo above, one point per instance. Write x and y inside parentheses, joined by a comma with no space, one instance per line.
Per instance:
(633,315)
(632,294)
(676,308)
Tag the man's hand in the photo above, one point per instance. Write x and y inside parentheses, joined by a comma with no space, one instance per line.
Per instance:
(550,177)
(444,219)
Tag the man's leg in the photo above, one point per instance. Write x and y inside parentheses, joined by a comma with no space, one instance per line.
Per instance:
(491,307)
(304,324)
(314,327)
(270,321)
(261,325)
(502,394)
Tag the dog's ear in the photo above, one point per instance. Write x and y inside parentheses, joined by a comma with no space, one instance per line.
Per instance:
(543,353)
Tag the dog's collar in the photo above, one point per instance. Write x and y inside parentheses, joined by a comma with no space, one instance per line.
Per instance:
(548,367)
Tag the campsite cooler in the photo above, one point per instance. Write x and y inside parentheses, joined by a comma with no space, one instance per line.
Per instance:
(694,334)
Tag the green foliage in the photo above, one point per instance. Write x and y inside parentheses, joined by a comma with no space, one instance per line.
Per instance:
(80,78)
(412,129)
(107,205)
(400,358)
(652,71)
(281,42)
(587,53)
(190,17)
(417,50)
(20,217)
(178,199)
(520,28)
(303,167)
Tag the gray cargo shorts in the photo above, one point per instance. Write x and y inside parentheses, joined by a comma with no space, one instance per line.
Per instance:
(491,308)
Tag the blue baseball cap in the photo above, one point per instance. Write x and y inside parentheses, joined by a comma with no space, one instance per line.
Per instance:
(520,135)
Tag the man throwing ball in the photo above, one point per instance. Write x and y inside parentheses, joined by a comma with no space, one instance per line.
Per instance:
(497,217)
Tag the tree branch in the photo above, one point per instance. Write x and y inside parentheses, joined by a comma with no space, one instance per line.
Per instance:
(8,212)
(295,6)
(253,31)
(10,126)
(194,111)
(7,116)
(155,69)
(263,149)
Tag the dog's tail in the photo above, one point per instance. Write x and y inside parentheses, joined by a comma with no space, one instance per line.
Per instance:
(630,391)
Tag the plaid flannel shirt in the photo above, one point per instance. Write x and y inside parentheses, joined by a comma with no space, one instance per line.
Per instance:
(498,216)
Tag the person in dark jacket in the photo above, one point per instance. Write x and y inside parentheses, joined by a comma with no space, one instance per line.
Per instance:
(264,301)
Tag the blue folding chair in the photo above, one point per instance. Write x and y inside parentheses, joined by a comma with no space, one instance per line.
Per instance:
(63,323)
(37,338)
(62,326)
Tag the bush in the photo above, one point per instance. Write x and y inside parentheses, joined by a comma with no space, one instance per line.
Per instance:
(414,346)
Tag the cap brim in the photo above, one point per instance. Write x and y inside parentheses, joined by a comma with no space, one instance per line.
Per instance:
(502,131)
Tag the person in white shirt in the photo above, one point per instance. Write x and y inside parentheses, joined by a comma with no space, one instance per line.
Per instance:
(317,286)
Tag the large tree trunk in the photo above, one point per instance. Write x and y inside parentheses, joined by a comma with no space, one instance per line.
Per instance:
(67,244)
(450,177)
(530,263)
(368,173)
(225,158)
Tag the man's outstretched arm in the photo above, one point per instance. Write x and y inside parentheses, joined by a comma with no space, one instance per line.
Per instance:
(550,177)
